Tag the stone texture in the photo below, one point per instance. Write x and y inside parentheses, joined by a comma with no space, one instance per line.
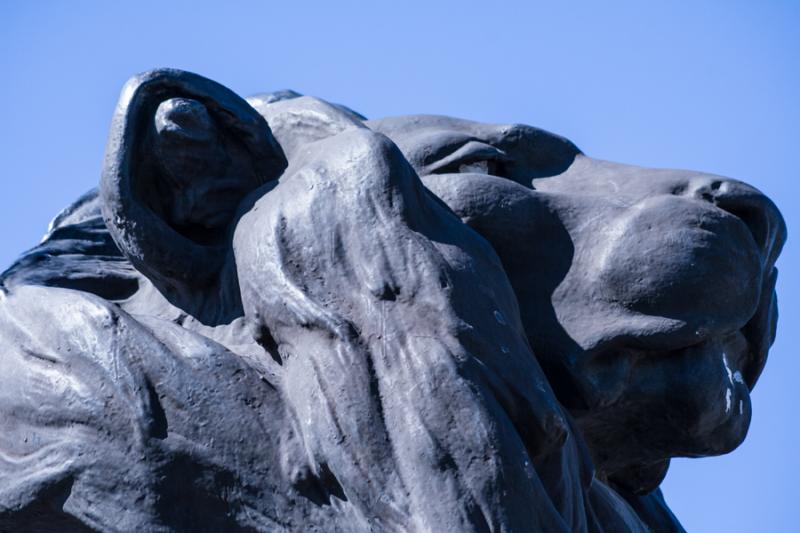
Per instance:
(276,315)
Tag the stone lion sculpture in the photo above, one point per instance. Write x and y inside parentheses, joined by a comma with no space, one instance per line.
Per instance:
(277,315)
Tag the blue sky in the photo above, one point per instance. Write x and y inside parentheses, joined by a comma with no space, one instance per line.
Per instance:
(711,86)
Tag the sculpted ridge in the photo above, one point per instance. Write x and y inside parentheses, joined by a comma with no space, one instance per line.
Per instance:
(276,315)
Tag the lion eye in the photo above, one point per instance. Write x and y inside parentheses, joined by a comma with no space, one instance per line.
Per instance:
(485,166)
(473,157)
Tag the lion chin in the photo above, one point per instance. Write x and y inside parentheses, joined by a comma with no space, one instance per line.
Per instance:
(277,315)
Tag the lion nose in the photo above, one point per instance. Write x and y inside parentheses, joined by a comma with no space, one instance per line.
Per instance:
(750,205)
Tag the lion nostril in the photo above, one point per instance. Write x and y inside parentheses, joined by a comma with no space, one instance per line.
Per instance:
(755,221)
(758,213)
(702,189)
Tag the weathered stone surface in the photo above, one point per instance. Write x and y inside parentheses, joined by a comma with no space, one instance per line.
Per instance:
(276,315)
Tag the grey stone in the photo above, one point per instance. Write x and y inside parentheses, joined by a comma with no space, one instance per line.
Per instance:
(275,315)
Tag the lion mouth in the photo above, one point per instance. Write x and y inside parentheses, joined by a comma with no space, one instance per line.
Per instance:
(760,331)
(747,359)
(745,363)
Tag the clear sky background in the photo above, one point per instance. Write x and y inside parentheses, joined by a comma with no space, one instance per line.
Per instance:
(711,86)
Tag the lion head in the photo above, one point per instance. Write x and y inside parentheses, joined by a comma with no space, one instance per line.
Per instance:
(413,323)
(648,295)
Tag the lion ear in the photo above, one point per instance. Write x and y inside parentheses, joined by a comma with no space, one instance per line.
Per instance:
(299,120)
(174,106)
